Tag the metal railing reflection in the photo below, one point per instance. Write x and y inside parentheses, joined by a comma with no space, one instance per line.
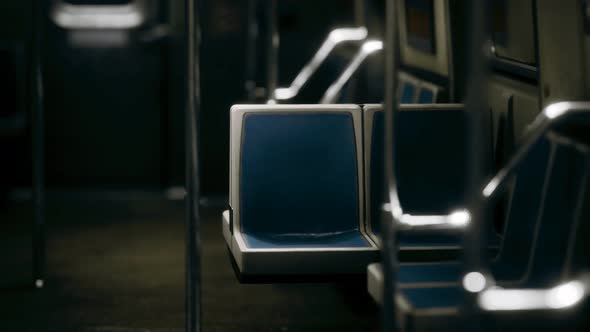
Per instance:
(369,47)
(335,38)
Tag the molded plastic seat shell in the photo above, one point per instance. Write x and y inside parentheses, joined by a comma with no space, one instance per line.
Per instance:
(297,191)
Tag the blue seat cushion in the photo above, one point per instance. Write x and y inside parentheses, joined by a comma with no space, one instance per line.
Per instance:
(299,175)
(438,239)
(350,239)
(435,297)
(448,272)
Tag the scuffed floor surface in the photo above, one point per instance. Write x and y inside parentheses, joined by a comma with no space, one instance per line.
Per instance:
(118,266)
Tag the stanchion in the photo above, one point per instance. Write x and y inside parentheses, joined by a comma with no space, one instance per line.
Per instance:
(37,142)
(390,217)
(193,245)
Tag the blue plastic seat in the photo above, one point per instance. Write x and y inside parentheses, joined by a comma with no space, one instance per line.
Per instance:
(523,215)
(297,190)
(408,92)
(430,167)
(426,96)
(558,238)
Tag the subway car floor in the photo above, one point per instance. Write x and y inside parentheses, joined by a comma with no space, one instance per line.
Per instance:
(117,265)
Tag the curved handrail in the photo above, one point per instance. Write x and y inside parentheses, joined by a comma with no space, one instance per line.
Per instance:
(368,48)
(562,296)
(549,118)
(127,16)
(492,298)
(336,37)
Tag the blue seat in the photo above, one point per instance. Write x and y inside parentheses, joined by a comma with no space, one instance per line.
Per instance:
(430,170)
(408,92)
(558,237)
(523,215)
(297,190)
(426,96)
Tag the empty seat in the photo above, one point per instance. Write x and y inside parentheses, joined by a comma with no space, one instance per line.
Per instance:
(510,265)
(430,169)
(408,88)
(413,90)
(426,95)
(559,236)
(296,191)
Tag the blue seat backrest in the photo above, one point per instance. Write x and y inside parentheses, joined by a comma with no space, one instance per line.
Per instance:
(430,162)
(426,96)
(524,207)
(408,92)
(299,173)
(579,260)
(558,214)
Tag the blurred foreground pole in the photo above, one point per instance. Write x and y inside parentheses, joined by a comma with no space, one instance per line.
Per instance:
(193,244)
(37,142)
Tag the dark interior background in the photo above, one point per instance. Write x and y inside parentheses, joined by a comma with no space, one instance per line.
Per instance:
(114,116)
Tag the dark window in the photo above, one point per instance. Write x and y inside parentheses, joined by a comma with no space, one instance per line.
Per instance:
(513,30)
(499,22)
(420,25)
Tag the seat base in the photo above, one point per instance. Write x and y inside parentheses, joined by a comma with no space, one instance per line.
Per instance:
(226,227)
(449,272)
(409,316)
(296,261)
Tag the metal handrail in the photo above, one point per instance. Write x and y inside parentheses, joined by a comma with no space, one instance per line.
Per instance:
(551,117)
(335,38)
(369,47)
(565,295)
(389,242)
(492,298)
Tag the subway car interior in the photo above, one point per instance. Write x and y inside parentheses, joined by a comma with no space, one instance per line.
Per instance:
(266,165)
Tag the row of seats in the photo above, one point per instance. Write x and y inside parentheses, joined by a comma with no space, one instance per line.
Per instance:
(413,90)
(299,187)
(302,177)
(539,263)
(544,246)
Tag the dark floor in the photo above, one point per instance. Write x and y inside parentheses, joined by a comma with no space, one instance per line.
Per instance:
(117,266)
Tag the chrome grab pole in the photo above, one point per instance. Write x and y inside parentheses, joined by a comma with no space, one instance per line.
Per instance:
(477,55)
(272,52)
(389,218)
(38,144)
(333,92)
(335,38)
(193,245)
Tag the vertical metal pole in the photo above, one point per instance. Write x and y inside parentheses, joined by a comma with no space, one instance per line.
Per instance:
(390,219)
(251,48)
(272,56)
(37,135)
(193,245)
(477,106)
(360,13)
